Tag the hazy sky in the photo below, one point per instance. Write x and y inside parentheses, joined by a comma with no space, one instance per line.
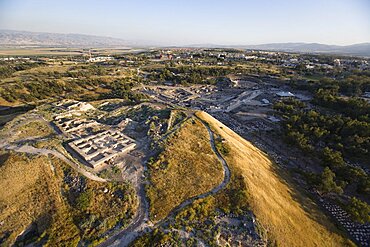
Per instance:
(196,21)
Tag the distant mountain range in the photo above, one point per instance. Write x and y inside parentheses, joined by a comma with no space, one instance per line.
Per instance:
(362,49)
(25,38)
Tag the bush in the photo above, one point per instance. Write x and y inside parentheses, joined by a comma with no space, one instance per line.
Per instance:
(84,199)
(327,182)
(359,210)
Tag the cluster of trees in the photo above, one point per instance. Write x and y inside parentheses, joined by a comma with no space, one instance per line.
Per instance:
(311,130)
(122,89)
(200,210)
(49,84)
(159,238)
(352,107)
(331,137)
(40,89)
(359,210)
(355,84)
(87,71)
(189,74)
(8,68)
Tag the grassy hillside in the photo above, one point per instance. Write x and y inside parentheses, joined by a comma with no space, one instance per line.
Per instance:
(55,205)
(35,83)
(290,217)
(187,167)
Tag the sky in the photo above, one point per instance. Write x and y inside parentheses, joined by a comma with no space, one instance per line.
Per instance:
(185,22)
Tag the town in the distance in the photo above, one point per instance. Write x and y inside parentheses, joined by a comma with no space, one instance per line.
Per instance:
(183,147)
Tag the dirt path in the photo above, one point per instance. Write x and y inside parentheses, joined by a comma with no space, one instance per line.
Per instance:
(32,150)
(216,189)
(139,225)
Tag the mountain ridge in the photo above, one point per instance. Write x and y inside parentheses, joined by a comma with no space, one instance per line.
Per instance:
(17,38)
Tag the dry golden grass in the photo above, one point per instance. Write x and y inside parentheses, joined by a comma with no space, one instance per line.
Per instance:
(186,168)
(290,218)
(33,190)
(28,193)
(3,102)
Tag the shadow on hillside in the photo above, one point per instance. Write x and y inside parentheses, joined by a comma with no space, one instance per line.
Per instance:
(7,110)
(8,113)
(307,201)
(33,232)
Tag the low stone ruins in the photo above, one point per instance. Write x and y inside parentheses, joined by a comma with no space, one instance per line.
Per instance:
(99,148)
(359,232)
(94,148)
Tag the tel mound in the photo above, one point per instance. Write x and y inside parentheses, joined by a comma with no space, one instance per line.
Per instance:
(285,216)
(289,216)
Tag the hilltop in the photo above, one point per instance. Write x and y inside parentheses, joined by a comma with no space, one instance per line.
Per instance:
(258,195)
(290,217)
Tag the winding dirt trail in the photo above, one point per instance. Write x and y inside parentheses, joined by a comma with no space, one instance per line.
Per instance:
(43,151)
(139,225)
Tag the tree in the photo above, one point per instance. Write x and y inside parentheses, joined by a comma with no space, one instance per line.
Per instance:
(359,210)
(328,184)
(83,200)
(332,158)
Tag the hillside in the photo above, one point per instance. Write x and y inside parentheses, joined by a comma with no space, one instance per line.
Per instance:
(47,202)
(284,215)
(24,38)
(289,216)
(187,167)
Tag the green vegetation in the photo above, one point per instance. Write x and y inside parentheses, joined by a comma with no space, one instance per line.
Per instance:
(222,146)
(336,129)
(183,170)
(8,69)
(327,183)
(288,215)
(58,205)
(158,238)
(359,210)
(330,137)
(81,82)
